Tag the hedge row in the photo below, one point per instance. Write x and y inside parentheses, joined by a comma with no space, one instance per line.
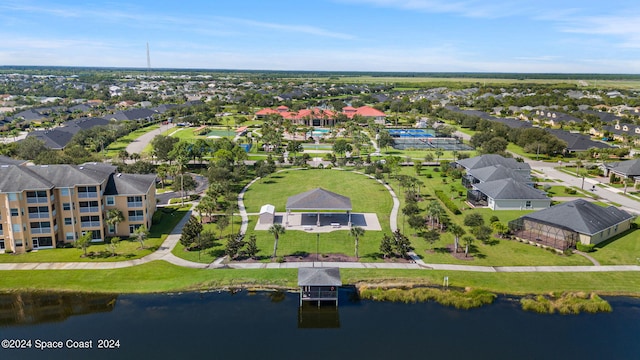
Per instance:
(447,202)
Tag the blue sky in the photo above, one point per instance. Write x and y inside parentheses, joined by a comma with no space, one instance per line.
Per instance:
(563,36)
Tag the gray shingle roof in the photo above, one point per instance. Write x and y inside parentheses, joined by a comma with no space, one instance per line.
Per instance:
(70,175)
(10,161)
(129,184)
(627,168)
(15,178)
(581,216)
(491,160)
(318,199)
(496,172)
(506,189)
(133,114)
(319,277)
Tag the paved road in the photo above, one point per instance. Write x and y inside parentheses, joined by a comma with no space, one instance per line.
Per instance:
(137,145)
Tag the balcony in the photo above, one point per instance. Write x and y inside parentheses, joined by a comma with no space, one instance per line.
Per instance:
(136,218)
(42,230)
(40,215)
(89,224)
(90,209)
(85,195)
(37,200)
(134,204)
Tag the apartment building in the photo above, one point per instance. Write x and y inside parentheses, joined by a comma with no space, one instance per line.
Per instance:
(45,206)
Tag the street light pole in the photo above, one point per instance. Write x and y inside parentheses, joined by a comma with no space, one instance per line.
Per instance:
(317,247)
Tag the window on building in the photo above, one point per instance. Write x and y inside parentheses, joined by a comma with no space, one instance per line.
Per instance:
(67,221)
(14,212)
(66,206)
(136,215)
(133,228)
(111,228)
(13,197)
(18,242)
(39,196)
(134,201)
(69,236)
(87,191)
(16,228)
(64,192)
(1,244)
(1,231)
(111,200)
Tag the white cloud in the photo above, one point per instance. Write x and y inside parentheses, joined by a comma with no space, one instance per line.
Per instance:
(467,8)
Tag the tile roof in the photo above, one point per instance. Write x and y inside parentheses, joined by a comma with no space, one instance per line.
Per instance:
(581,216)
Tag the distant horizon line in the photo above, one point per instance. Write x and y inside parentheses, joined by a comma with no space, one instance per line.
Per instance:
(481,74)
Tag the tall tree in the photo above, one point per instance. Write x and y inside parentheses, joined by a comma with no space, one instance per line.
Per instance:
(141,234)
(276,230)
(467,240)
(357,232)
(457,232)
(251,246)
(190,232)
(114,217)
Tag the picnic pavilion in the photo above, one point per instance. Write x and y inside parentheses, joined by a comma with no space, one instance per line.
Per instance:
(320,201)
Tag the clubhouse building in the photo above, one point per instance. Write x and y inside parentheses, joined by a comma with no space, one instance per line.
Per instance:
(317,117)
(46,206)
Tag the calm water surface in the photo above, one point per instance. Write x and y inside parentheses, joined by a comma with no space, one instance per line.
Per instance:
(269,326)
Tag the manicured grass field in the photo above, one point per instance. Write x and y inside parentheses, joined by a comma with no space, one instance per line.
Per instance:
(367,195)
(159,276)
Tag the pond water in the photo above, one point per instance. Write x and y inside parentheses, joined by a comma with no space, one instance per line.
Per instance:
(269,325)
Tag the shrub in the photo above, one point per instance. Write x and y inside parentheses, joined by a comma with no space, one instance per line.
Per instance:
(157,217)
(447,202)
(8,251)
(585,248)
(428,175)
(570,191)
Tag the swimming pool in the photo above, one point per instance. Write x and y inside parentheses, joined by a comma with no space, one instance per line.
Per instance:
(411,133)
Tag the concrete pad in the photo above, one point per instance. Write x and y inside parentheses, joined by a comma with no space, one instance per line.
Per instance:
(328,222)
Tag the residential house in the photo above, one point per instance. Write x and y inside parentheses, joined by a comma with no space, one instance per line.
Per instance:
(562,226)
(58,138)
(507,194)
(628,169)
(46,206)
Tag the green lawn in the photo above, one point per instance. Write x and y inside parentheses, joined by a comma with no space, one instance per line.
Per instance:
(128,249)
(621,250)
(161,276)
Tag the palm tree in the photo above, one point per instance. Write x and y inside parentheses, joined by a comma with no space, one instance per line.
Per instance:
(457,231)
(467,240)
(276,230)
(114,217)
(356,232)
(141,235)
(438,154)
